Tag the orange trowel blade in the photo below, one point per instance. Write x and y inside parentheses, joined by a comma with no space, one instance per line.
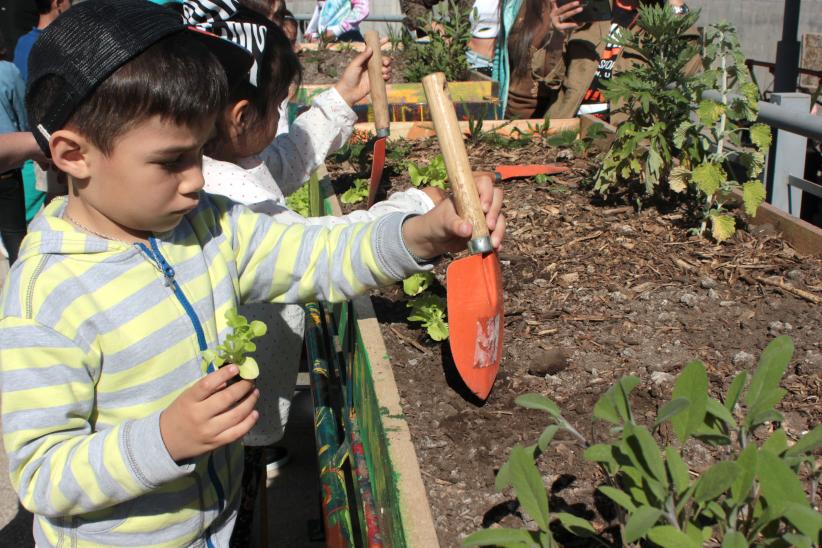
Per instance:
(475,320)
(377,164)
(528,170)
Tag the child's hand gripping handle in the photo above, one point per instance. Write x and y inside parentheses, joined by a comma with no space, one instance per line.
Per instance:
(456,161)
(379,97)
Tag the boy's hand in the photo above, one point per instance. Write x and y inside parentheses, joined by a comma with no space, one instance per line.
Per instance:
(441,230)
(353,84)
(209,414)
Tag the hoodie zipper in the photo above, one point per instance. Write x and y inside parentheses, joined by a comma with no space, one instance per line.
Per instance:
(168,273)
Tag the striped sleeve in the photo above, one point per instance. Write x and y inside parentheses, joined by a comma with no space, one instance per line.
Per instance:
(61,466)
(298,263)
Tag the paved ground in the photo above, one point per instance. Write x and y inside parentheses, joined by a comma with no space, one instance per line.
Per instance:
(293,493)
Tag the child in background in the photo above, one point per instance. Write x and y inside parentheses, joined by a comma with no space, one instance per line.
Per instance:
(337,20)
(114,435)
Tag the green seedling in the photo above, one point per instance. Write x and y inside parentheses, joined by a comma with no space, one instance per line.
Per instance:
(417,283)
(236,346)
(430,310)
(433,174)
(356,193)
(298,201)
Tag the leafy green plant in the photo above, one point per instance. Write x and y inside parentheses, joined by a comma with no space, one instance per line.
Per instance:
(657,97)
(298,201)
(478,135)
(660,143)
(237,344)
(753,496)
(718,124)
(355,151)
(430,310)
(431,174)
(543,179)
(445,52)
(417,283)
(398,151)
(357,193)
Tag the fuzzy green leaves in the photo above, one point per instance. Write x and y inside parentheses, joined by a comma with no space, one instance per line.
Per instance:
(691,385)
(237,344)
(753,194)
(709,178)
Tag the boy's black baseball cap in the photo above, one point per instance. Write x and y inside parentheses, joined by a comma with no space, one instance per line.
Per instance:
(86,44)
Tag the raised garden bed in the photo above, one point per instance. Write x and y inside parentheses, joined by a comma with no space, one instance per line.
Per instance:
(477,98)
(593,291)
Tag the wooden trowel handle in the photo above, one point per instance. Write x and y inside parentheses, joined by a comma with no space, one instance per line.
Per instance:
(379,98)
(456,160)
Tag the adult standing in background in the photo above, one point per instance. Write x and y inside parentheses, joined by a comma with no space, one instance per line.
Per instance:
(526,52)
(48,11)
(16,18)
(12,119)
(36,192)
(590,59)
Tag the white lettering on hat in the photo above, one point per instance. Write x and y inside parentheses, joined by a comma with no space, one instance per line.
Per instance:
(44,132)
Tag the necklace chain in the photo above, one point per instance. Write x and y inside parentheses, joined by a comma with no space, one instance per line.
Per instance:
(90,231)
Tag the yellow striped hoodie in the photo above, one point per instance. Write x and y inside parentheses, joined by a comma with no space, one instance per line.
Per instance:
(97,337)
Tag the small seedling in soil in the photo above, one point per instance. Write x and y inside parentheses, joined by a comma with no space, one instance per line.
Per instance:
(417,283)
(236,346)
(752,495)
(357,193)
(433,174)
(298,201)
(430,310)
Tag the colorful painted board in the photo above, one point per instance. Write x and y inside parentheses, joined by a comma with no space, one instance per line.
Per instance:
(406,102)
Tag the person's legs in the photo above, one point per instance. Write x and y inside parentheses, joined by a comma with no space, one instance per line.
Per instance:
(12,212)
(352,35)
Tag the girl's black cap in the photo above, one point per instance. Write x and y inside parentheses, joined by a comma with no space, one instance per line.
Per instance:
(90,41)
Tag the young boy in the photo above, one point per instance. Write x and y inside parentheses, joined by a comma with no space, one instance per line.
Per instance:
(114,436)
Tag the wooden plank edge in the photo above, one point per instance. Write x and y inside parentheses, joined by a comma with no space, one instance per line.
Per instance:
(418,521)
(424,130)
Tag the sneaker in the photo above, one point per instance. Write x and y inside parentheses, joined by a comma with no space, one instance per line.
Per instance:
(276,457)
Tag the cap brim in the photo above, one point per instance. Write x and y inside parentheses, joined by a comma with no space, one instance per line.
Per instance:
(236,60)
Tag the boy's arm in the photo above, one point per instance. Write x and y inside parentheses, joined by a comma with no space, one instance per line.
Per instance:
(59,466)
(322,129)
(298,263)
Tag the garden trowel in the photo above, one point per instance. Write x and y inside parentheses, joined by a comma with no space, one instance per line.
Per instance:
(379,103)
(474,283)
(502,173)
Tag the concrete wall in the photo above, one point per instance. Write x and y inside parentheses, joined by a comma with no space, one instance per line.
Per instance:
(759,22)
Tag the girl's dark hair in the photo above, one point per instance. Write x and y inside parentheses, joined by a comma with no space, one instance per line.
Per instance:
(277,69)
(529,21)
(177,78)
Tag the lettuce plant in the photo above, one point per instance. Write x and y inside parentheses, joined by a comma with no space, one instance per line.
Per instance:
(237,344)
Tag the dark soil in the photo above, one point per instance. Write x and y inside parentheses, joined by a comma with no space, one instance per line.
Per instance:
(592,292)
(326,66)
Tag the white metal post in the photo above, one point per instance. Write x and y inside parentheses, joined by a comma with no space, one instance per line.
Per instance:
(787,156)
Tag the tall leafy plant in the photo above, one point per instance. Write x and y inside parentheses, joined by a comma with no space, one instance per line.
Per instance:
(661,143)
(754,495)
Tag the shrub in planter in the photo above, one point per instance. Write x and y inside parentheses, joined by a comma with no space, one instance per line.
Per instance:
(660,143)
